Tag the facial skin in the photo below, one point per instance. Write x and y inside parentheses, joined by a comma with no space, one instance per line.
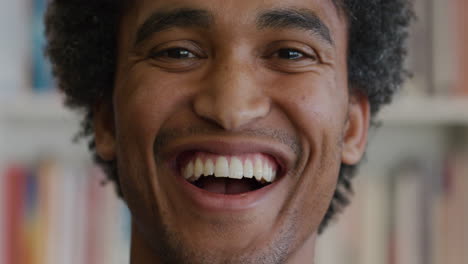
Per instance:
(232,82)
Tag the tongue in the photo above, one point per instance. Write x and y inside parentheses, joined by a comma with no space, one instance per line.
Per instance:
(212,184)
(224,185)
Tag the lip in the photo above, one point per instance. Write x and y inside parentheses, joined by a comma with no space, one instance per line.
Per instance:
(231,147)
(214,202)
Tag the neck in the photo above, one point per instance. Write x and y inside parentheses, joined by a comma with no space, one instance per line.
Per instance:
(140,250)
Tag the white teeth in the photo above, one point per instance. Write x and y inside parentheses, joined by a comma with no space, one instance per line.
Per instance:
(248,169)
(189,171)
(266,173)
(209,168)
(198,170)
(221,168)
(258,168)
(236,169)
(270,174)
(273,176)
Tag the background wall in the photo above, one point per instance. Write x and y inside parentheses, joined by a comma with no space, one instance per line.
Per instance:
(411,191)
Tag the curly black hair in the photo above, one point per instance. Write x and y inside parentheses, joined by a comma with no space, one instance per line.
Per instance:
(82,43)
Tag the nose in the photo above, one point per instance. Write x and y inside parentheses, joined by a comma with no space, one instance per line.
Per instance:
(232,98)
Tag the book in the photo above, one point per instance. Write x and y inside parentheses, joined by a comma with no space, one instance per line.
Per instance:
(461,7)
(14,48)
(50,176)
(420,44)
(30,219)
(375,219)
(104,222)
(408,213)
(51,213)
(2,215)
(42,80)
(79,178)
(15,190)
(444,50)
(359,235)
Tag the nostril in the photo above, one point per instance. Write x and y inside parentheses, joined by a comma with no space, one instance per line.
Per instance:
(231,112)
(205,107)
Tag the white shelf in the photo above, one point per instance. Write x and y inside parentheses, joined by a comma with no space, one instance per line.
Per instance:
(405,111)
(46,109)
(37,126)
(434,111)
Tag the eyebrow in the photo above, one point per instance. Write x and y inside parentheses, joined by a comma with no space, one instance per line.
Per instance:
(180,17)
(295,18)
(275,18)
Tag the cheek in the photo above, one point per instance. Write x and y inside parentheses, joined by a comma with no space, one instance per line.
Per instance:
(316,104)
(145,101)
(142,103)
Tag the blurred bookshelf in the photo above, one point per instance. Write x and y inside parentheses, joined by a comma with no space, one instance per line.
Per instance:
(44,109)
(410,192)
(54,207)
(426,110)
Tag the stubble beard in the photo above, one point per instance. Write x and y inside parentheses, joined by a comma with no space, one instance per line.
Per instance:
(172,249)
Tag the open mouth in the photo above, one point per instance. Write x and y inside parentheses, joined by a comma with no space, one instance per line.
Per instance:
(228,174)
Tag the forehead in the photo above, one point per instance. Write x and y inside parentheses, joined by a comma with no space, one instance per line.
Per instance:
(234,13)
(228,7)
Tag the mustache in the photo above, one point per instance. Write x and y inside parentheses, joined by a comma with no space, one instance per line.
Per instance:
(165,136)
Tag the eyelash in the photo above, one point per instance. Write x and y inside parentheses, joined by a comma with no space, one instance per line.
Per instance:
(302,55)
(299,54)
(167,52)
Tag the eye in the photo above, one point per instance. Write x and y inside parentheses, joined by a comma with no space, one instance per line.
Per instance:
(289,54)
(174,53)
(293,54)
(291,57)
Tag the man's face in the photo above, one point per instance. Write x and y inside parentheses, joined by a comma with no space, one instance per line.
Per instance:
(237,88)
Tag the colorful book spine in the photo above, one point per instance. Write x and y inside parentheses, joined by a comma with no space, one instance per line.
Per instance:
(462,47)
(2,215)
(42,80)
(409,215)
(30,217)
(50,214)
(15,191)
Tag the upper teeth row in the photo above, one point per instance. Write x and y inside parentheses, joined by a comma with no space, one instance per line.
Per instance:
(236,169)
